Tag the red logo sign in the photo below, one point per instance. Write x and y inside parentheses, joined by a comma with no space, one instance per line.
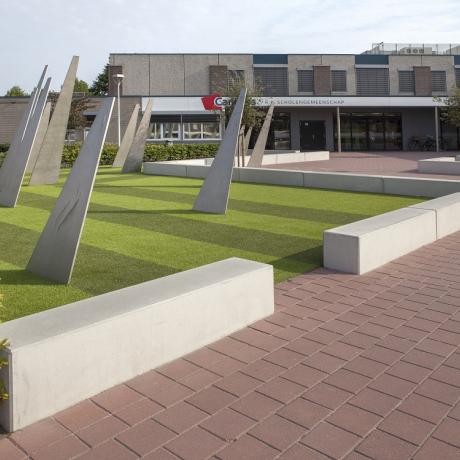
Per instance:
(213,102)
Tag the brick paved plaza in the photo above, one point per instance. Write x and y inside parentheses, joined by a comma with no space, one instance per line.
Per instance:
(373,163)
(348,367)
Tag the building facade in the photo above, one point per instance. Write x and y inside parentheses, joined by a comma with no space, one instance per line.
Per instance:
(381,100)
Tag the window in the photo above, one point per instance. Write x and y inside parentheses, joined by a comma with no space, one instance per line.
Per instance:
(279,137)
(438,81)
(372,82)
(206,130)
(272,81)
(339,81)
(165,131)
(457,77)
(235,78)
(305,81)
(406,81)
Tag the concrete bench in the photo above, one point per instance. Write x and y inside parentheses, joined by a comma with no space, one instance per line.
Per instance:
(441,165)
(370,243)
(447,210)
(64,355)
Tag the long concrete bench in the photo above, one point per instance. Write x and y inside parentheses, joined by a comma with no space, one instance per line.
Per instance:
(64,355)
(392,185)
(441,165)
(370,243)
(447,210)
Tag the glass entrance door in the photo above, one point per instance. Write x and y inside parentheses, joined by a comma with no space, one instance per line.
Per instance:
(369,131)
(376,133)
(359,134)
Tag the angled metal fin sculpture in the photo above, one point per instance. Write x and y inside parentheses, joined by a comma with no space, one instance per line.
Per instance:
(259,149)
(127,139)
(213,196)
(42,127)
(12,173)
(20,131)
(55,253)
(135,157)
(247,138)
(47,167)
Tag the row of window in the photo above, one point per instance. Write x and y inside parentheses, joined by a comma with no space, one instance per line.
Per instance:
(193,131)
(370,81)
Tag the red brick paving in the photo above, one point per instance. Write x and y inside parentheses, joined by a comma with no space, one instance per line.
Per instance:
(355,367)
(375,163)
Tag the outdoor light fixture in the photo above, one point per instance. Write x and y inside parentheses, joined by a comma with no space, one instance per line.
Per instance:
(118,78)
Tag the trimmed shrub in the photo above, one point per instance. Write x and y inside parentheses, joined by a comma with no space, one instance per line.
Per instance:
(3,361)
(153,152)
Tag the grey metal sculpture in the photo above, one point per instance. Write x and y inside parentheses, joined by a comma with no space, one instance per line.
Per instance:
(127,139)
(47,167)
(20,131)
(12,173)
(240,147)
(55,253)
(213,196)
(247,138)
(42,127)
(133,162)
(259,149)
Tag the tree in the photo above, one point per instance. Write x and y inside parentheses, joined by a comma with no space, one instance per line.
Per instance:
(100,86)
(81,86)
(16,91)
(253,116)
(77,120)
(451,112)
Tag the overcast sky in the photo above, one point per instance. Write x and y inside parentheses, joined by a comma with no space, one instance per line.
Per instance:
(38,32)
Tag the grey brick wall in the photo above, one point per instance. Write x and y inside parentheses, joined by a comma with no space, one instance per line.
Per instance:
(11,110)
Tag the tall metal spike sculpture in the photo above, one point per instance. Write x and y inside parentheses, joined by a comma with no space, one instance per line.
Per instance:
(42,127)
(13,171)
(259,149)
(48,164)
(247,138)
(20,131)
(213,196)
(55,253)
(127,139)
(133,162)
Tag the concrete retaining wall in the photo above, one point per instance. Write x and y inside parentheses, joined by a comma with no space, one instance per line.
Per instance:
(370,243)
(61,356)
(392,185)
(447,210)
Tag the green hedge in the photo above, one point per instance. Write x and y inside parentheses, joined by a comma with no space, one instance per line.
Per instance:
(153,152)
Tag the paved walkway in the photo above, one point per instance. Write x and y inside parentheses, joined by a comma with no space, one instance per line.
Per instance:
(375,163)
(352,367)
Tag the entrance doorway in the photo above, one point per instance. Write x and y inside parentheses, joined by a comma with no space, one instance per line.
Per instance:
(362,131)
(312,135)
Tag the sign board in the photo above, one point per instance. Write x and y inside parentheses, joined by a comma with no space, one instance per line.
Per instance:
(197,105)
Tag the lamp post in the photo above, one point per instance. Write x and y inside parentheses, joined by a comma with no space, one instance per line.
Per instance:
(118,78)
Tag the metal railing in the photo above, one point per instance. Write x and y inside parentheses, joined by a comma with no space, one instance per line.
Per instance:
(415,49)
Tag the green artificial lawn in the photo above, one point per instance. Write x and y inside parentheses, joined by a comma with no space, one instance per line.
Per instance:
(142,227)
